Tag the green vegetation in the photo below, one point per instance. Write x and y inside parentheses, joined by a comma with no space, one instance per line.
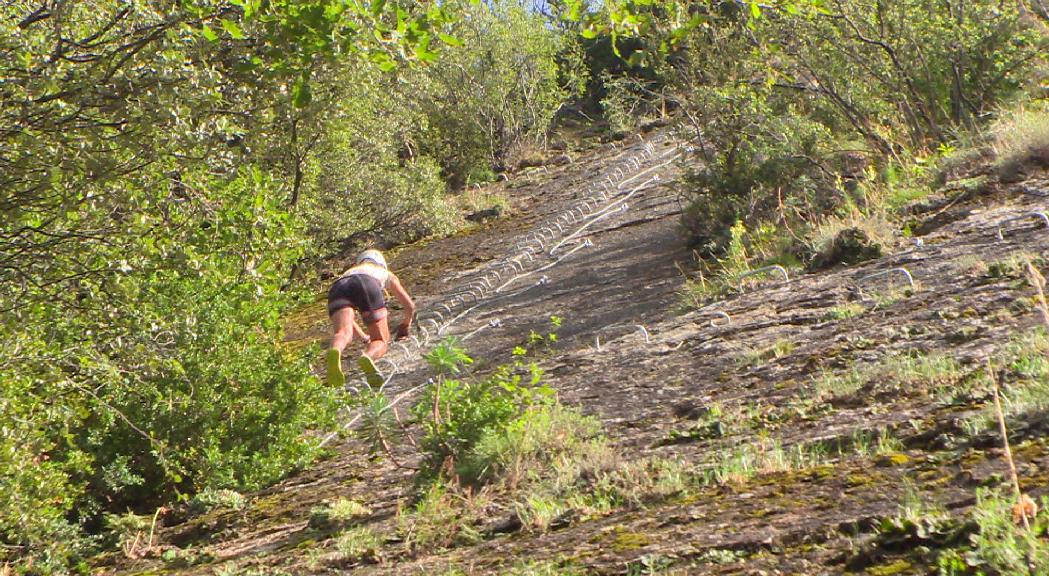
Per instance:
(444,516)
(1020,139)
(1001,542)
(210,498)
(173,177)
(357,543)
(1024,369)
(178,176)
(762,456)
(465,420)
(774,351)
(812,135)
(904,374)
(544,568)
(342,512)
(846,311)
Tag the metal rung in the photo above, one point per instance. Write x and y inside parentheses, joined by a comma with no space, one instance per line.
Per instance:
(1036,214)
(906,274)
(644,333)
(720,314)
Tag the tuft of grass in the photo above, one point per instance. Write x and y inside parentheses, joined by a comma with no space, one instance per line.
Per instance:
(210,499)
(876,224)
(1024,362)
(748,249)
(866,444)
(540,438)
(1025,393)
(1020,139)
(774,351)
(764,456)
(581,489)
(342,512)
(474,200)
(345,510)
(358,543)
(444,516)
(846,311)
(972,265)
(922,373)
(1014,266)
(543,568)
(831,385)
(722,556)
(232,569)
(888,297)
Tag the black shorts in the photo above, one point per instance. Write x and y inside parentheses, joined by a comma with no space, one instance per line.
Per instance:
(358,291)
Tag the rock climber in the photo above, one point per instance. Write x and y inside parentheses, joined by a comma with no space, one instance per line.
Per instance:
(361,288)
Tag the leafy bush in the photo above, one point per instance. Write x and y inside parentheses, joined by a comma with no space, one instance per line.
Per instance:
(999,545)
(458,412)
(357,183)
(791,111)
(170,378)
(757,163)
(163,179)
(483,101)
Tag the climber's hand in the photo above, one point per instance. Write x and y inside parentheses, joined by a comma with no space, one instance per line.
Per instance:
(402,332)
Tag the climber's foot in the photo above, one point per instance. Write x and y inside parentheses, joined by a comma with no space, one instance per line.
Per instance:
(371,373)
(335,374)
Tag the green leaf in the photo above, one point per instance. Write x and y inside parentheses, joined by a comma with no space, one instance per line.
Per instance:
(422,49)
(232,29)
(301,95)
(450,40)
(208,33)
(575,10)
(755,10)
(383,61)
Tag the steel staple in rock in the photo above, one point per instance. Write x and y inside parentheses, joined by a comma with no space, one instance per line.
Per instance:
(602,213)
(644,332)
(900,270)
(720,314)
(1035,214)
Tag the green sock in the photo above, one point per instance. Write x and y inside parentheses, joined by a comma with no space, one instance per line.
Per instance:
(334,361)
(371,373)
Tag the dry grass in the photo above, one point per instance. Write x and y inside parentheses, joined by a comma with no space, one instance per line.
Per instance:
(877,225)
(1020,139)
(475,199)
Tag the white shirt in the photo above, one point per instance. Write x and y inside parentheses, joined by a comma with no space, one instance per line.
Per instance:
(368,268)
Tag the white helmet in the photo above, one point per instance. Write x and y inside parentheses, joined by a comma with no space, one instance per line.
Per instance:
(373,256)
